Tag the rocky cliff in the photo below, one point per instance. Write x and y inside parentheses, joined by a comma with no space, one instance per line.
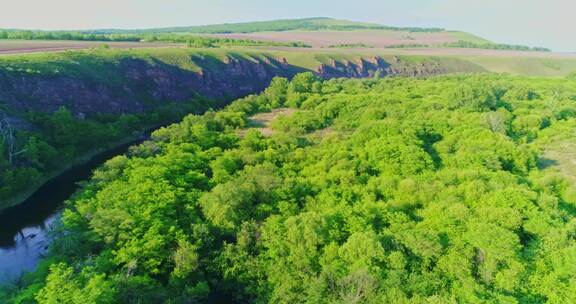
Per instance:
(133,85)
(137,86)
(377,66)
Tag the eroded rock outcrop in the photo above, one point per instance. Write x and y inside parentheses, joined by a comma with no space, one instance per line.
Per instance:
(137,85)
(378,66)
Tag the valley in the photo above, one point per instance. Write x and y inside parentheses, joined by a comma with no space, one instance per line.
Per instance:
(255,181)
(126,91)
(310,160)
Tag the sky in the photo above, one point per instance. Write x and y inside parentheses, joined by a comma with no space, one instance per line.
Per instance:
(549,23)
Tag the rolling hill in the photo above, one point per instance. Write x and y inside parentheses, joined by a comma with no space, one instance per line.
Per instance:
(310,24)
(318,32)
(349,169)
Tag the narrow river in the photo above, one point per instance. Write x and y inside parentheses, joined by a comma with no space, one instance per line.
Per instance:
(24,229)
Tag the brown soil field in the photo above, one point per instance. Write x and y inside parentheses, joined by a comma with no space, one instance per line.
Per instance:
(33,46)
(372,38)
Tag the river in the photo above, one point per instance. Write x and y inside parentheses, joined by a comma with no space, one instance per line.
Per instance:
(24,229)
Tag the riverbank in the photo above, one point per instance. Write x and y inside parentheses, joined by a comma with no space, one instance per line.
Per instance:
(22,197)
(26,233)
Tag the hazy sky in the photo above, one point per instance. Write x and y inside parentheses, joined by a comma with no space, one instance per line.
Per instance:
(550,23)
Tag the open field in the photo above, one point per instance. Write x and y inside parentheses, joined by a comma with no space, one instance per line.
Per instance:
(432,51)
(35,46)
(371,38)
(499,61)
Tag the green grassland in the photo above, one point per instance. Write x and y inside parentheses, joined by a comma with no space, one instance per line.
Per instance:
(93,62)
(530,66)
(97,64)
(311,24)
(457,35)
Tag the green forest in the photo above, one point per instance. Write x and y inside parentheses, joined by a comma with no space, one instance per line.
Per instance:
(395,190)
(47,143)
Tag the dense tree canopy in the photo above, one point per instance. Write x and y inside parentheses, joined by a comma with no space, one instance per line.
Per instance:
(49,142)
(395,190)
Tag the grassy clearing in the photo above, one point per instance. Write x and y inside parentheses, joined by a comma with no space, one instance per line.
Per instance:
(561,156)
(263,121)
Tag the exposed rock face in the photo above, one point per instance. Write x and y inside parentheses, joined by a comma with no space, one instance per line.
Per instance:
(140,84)
(377,66)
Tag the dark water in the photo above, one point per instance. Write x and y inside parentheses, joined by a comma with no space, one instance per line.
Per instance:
(24,229)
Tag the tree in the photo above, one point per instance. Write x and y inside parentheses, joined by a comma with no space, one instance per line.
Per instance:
(481,97)
(277,91)
(497,122)
(40,154)
(8,139)
(302,83)
(64,128)
(235,201)
(185,260)
(64,286)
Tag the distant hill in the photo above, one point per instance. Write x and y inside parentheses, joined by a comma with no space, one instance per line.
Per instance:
(309,24)
(319,32)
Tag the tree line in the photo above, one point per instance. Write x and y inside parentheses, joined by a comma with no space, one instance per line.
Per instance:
(188,39)
(494,46)
(50,141)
